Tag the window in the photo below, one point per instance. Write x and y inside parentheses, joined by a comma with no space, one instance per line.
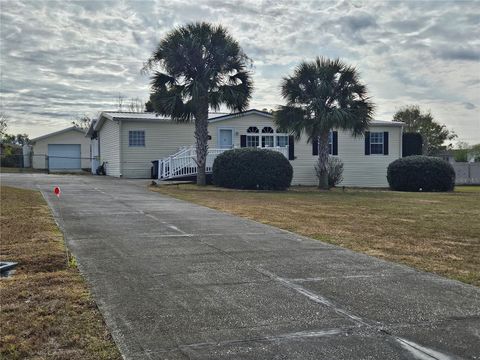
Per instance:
(376,143)
(282,140)
(136,138)
(252,140)
(267,140)
(330,143)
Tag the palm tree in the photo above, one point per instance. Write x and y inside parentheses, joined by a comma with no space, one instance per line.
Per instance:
(200,67)
(322,95)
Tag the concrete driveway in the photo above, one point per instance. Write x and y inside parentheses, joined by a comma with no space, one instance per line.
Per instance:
(180,281)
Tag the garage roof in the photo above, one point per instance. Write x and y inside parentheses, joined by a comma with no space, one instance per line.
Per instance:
(71,128)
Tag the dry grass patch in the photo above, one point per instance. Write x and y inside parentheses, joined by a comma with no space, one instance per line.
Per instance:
(47,311)
(436,232)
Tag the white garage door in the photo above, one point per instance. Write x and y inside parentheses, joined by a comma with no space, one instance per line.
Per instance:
(64,157)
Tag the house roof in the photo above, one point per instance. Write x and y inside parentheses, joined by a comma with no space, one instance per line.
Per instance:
(131,116)
(212,116)
(238,114)
(387,123)
(71,128)
(269,115)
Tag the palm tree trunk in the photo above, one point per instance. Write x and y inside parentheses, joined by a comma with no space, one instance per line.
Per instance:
(323,161)
(201,137)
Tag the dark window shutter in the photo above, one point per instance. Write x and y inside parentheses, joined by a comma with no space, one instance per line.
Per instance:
(367,142)
(315,146)
(385,143)
(291,148)
(335,143)
(411,144)
(243,140)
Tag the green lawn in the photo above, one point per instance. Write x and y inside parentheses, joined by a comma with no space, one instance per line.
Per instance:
(436,232)
(468,188)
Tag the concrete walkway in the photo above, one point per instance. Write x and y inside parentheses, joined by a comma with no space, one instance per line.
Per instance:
(179,281)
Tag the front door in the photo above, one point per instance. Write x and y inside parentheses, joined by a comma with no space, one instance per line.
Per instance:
(225,138)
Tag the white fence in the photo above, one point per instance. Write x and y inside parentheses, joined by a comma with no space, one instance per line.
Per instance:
(183,163)
(467,173)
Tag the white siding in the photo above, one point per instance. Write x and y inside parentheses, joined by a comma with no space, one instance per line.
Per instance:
(94,155)
(240,125)
(40,148)
(359,169)
(109,136)
(162,138)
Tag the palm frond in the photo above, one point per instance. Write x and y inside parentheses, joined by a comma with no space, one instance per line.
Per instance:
(199,64)
(330,95)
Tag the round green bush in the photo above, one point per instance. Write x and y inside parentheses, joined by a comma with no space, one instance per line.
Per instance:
(421,173)
(252,168)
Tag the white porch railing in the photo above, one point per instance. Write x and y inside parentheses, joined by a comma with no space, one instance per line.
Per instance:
(183,163)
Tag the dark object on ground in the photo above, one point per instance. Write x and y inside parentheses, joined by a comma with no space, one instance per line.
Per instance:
(412,144)
(252,168)
(154,169)
(421,173)
(6,266)
(101,170)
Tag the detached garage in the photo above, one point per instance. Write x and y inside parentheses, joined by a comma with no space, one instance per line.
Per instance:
(64,150)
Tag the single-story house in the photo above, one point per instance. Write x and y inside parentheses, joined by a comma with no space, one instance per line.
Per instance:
(66,149)
(128,142)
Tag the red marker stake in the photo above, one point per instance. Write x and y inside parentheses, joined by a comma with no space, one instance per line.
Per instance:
(57,191)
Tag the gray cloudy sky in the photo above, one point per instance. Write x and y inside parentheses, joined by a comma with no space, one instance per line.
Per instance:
(61,59)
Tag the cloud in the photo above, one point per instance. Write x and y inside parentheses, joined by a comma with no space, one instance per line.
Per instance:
(61,59)
(459,53)
(358,21)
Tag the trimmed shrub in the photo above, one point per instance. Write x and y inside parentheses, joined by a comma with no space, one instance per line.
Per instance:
(412,144)
(421,173)
(252,168)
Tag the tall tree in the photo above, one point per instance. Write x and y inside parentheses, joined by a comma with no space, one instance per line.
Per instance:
(200,67)
(322,95)
(435,136)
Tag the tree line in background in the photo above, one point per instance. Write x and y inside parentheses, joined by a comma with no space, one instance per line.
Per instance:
(433,134)
(11,139)
(11,145)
